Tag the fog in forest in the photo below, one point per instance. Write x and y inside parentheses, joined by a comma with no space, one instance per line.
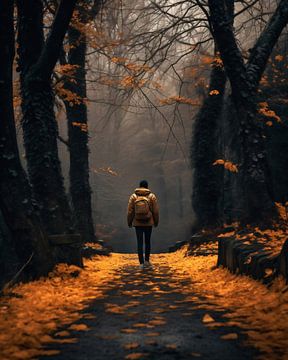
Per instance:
(130,145)
(140,132)
(138,150)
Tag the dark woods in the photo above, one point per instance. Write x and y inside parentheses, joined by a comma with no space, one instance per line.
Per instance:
(38,227)
(41,224)
(233,129)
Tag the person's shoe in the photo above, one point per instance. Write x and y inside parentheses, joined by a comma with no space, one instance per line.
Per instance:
(147,264)
(141,266)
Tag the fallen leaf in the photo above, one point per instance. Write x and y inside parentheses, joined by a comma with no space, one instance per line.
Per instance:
(268,272)
(66,341)
(131,346)
(115,309)
(79,327)
(207,319)
(159,311)
(128,331)
(157,322)
(152,334)
(231,336)
(139,325)
(62,333)
(50,352)
(135,356)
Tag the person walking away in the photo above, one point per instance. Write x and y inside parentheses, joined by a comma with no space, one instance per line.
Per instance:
(143,214)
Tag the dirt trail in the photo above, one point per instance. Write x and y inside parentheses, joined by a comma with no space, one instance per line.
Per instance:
(150,314)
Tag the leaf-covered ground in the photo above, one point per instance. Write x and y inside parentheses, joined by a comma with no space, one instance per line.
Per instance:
(271,238)
(182,308)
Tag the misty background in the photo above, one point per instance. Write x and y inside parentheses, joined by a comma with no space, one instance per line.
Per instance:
(127,146)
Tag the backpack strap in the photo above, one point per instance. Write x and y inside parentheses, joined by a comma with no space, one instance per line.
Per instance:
(149,201)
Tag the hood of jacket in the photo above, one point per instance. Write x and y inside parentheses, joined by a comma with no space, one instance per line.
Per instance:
(142,192)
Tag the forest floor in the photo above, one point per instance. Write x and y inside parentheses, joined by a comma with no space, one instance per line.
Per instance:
(182,308)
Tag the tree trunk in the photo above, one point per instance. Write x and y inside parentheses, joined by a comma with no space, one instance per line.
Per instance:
(207,147)
(40,140)
(257,204)
(36,62)
(208,179)
(18,217)
(78,137)
(39,123)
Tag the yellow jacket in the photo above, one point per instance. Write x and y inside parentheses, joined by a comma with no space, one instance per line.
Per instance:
(154,220)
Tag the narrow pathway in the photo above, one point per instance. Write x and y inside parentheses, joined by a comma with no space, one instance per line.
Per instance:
(150,314)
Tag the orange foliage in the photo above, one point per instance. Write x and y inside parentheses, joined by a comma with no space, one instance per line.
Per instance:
(132,82)
(277,73)
(135,356)
(214,92)
(261,313)
(282,210)
(179,99)
(264,110)
(66,69)
(136,68)
(135,79)
(32,312)
(206,59)
(279,57)
(30,318)
(83,127)
(271,239)
(118,60)
(218,62)
(94,246)
(207,319)
(67,95)
(228,165)
(130,346)
(231,336)
(209,60)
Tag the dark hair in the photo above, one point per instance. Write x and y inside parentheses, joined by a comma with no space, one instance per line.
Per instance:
(144,184)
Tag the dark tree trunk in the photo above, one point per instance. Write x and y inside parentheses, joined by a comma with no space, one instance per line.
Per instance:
(19,221)
(36,63)
(40,140)
(208,179)
(207,147)
(255,193)
(39,123)
(78,137)
(78,125)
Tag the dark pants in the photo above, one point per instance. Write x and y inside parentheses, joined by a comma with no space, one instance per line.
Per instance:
(140,231)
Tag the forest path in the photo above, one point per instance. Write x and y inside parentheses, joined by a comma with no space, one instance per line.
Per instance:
(150,314)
